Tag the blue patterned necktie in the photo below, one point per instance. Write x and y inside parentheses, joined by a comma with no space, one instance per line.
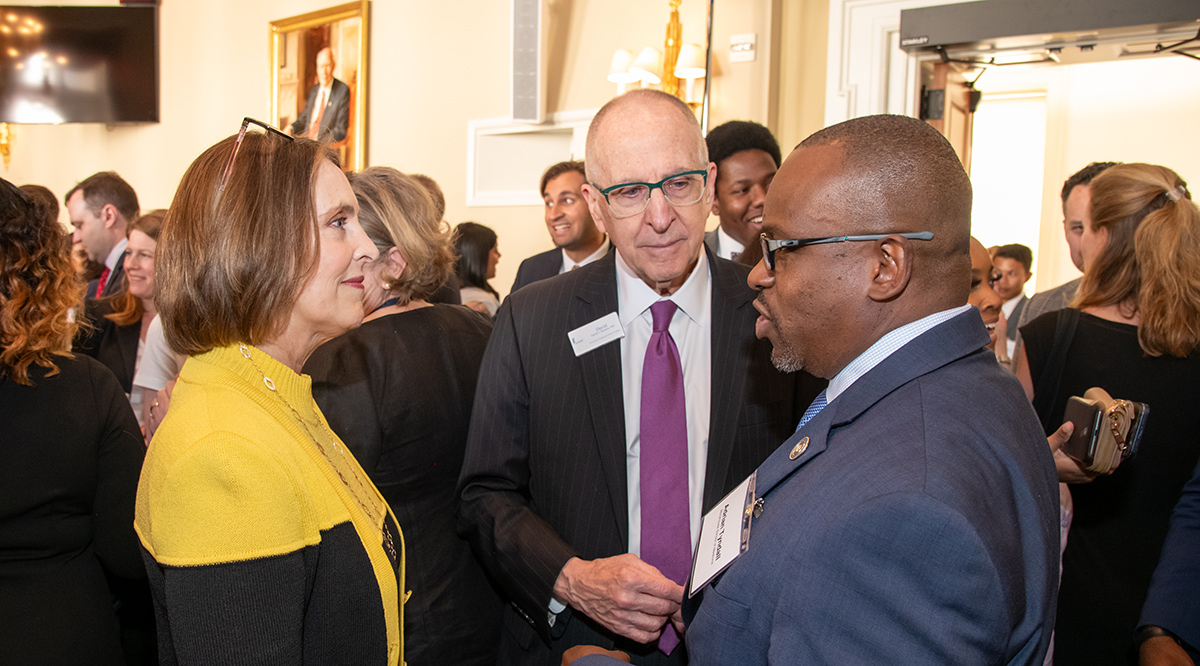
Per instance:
(817,405)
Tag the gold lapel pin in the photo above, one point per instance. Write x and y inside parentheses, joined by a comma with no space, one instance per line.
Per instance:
(799,448)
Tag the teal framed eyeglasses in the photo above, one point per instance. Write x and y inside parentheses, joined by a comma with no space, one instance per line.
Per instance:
(681,189)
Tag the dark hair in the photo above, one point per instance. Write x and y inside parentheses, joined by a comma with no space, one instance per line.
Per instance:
(474,242)
(1082,177)
(229,269)
(106,187)
(1016,252)
(37,287)
(43,198)
(127,308)
(559,169)
(737,135)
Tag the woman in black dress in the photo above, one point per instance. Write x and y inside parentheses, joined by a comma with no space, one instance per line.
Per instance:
(1133,330)
(398,391)
(70,455)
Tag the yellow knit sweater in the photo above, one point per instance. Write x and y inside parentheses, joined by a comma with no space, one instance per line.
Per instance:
(234,475)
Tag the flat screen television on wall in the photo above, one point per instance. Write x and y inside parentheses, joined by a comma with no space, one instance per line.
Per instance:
(78,64)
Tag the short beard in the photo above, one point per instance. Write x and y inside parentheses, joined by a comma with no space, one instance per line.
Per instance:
(783,356)
(785,359)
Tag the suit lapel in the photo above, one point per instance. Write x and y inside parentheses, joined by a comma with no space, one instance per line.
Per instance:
(116,276)
(127,343)
(601,373)
(729,369)
(943,344)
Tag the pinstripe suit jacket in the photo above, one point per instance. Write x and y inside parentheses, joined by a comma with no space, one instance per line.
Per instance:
(544,475)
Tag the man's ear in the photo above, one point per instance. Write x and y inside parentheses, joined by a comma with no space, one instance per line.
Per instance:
(595,203)
(109,216)
(892,268)
(394,263)
(710,189)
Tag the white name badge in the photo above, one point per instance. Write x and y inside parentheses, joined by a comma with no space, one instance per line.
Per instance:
(724,534)
(596,334)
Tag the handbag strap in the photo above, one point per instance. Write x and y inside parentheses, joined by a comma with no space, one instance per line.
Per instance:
(1046,392)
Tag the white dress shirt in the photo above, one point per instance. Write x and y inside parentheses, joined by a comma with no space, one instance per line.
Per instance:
(885,347)
(727,246)
(691,328)
(1010,345)
(569,264)
(114,255)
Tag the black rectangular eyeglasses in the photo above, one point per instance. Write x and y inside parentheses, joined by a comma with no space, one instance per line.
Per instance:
(237,145)
(770,246)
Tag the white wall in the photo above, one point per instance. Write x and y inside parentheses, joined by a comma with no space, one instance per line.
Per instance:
(1132,111)
(1007,171)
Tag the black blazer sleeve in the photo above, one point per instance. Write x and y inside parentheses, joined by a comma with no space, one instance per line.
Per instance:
(521,550)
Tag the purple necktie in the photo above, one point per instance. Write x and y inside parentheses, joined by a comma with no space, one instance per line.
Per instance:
(666,530)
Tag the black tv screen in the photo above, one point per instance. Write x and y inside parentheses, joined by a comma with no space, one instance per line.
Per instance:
(78,64)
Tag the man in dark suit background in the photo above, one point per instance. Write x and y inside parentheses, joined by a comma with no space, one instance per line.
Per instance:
(327,112)
(101,207)
(1169,628)
(584,479)
(912,518)
(577,241)
(747,157)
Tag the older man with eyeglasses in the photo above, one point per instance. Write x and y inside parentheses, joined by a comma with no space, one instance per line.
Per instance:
(617,403)
(912,517)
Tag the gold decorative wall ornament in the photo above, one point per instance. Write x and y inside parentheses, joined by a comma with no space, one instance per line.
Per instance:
(6,143)
(669,68)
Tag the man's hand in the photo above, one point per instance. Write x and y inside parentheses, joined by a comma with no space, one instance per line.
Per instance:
(623,593)
(580,651)
(1162,651)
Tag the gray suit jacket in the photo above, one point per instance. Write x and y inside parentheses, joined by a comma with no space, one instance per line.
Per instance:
(544,475)
(919,526)
(1051,300)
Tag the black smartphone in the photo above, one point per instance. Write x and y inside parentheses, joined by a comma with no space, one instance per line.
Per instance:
(1087,417)
(1140,412)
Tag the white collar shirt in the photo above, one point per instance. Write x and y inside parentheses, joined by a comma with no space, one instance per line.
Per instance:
(727,247)
(691,328)
(114,255)
(569,264)
(885,347)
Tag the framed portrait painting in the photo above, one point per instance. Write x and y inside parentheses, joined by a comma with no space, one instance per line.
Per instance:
(319,78)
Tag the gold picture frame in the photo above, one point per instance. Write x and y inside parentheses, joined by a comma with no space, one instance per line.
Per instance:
(307,100)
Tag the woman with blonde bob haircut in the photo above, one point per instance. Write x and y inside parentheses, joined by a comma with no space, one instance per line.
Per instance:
(264,539)
(1132,330)
(70,454)
(399,391)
